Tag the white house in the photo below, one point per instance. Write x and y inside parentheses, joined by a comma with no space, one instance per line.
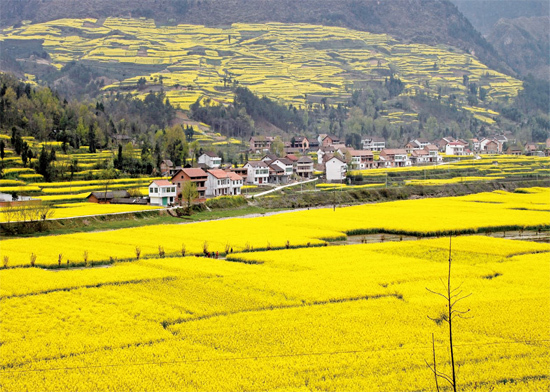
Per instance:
(210,160)
(218,183)
(236,183)
(257,172)
(304,167)
(454,148)
(394,157)
(280,170)
(162,193)
(336,169)
(373,143)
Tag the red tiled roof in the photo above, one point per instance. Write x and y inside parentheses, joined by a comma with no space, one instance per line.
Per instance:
(234,176)
(393,151)
(194,172)
(162,182)
(218,173)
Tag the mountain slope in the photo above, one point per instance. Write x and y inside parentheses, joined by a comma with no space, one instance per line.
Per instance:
(484,14)
(421,21)
(523,43)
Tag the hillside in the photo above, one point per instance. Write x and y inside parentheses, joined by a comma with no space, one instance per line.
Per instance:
(484,14)
(299,63)
(524,44)
(419,21)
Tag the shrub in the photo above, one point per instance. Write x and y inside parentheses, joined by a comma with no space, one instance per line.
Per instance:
(5,261)
(161,251)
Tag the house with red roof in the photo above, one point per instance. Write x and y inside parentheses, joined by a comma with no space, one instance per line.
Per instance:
(192,174)
(162,193)
(394,157)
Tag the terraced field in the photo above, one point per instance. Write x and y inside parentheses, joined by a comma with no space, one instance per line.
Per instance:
(298,64)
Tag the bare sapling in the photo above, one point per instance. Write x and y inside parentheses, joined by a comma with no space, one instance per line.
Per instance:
(5,261)
(85,257)
(183,250)
(59,259)
(452,298)
(33,259)
(138,252)
(161,251)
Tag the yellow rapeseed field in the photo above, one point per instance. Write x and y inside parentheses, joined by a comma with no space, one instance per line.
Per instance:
(467,214)
(348,318)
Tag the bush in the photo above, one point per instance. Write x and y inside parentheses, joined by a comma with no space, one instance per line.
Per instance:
(226,202)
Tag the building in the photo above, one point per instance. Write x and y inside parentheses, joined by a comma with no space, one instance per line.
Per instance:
(330,139)
(107,197)
(454,148)
(433,153)
(394,157)
(236,183)
(218,183)
(373,143)
(260,143)
(416,144)
(442,143)
(165,166)
(195,175)
(257,172)
(304,167)
(300,143)
(335,169)
(162,193)
(361,159)
(210,160)
(280,171)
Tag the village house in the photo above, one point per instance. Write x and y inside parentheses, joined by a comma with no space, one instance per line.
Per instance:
(257,172)
(394,157)
(106,197)
(416,144)
(330,139)
(269,158)
(210,160)
(361,159)
(165,166)
(330,150)
(195,175)
(260,143)
(373,143)
(433,153)
(218,183)
(300,143)
(454,148)
(280,171)
(442,143)
(419,157)
(335,169)
(530,148)
(514,150)
(304,167)
(490,146)
(162,193)
(236,182)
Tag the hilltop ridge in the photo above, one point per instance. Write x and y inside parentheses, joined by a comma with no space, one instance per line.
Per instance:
(420,21)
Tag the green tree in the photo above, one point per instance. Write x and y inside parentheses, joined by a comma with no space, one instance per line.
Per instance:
(189,193)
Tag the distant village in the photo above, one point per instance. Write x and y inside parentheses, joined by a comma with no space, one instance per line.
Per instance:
(326,157)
